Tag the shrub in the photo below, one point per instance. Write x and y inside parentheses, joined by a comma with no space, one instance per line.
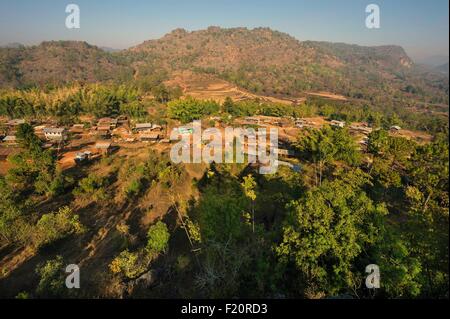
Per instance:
(92,186)
(51,278)
(133,188)
(158,238)
(54,226)
(129,264)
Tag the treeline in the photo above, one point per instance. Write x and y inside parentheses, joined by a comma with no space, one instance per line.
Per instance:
(190,109)
(70,102)
(67,103)
(381,115)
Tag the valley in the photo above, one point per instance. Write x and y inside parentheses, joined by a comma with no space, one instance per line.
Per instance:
(87,176)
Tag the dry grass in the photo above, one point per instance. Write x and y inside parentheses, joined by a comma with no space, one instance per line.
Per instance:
(208,87)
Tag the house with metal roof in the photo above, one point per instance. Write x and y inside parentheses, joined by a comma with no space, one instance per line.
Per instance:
(104,147)
(10,140)
(149,137)
(147,127)
(336,123)
(55,133)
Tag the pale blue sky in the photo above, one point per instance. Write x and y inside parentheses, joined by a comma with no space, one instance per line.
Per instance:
(420,26)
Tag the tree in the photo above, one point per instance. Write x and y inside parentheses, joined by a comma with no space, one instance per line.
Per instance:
(325,145)
(92,186)
(378,142)
(220,215)
(54,226)
(190,109)
(401,270)
(427,225)
(375,120)
(249,185)
(51,278)
(34,168)
(228,105)
(27,138)
(130,265)
(328,229)
(161,93)
(14,228)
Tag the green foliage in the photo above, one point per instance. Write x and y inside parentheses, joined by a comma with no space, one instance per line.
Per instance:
(133,188)
(13,225)
(34,168)
(27,138)
(51,278)
(164,94)
(190,109)
(194,231)
(328,229)
(54,226)
(321,147)
(401,270)
(413,252)
(130,265)
(249,185)
(67,103)
(138,176)
(228,105)
(23,295)
(329,144)
(93,187)
(158,238)
(221,215)
(378,142)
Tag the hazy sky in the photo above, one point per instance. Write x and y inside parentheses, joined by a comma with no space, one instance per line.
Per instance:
(420,26)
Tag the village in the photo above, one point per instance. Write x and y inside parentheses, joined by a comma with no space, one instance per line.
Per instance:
(93,138)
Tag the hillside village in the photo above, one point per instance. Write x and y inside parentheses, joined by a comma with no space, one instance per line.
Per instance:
(87,176)
(83,142)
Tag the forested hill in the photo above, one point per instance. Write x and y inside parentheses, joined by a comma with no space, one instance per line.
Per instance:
(260,60)
(58,62)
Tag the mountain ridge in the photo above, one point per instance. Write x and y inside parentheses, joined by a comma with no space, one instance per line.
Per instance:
(260,60)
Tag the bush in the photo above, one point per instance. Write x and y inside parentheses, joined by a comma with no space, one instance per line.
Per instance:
(158,238)
(51,278)
(54,226)
(131,265)
(92,186)
(134,188)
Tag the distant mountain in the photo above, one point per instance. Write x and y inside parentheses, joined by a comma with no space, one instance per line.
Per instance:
(58,62)
(13,45)
(260,60)
(108,49)
(273,63)
(443,68)
(434,61)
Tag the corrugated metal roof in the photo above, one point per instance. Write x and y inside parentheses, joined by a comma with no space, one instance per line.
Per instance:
(144,125)
(103,145)
(10,138)
(54,130)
